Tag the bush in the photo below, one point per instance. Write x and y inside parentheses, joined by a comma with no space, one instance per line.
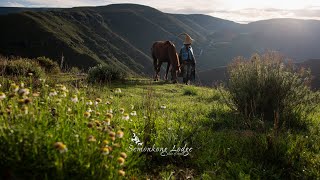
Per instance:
(268,88)
(48,65)
(21,67)
(103,73)
(190,91)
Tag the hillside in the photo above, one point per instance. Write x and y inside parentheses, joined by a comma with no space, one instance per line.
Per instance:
(122,34)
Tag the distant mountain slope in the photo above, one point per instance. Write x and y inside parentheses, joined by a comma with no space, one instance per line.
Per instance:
(122,34)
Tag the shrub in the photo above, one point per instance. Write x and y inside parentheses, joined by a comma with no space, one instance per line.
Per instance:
(48,65)
(20,67)
(190,91)
(103,73)
(267,87)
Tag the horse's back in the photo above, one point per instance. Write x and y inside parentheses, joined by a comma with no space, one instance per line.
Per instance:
(162,49)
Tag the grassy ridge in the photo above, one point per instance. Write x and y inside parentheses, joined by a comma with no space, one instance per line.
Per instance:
(163,115)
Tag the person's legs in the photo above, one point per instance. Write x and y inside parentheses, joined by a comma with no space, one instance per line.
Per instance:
(185,69)
(188,73)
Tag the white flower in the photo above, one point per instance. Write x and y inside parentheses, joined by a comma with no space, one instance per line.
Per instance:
(74,99)
(24,92)
(126,117)
(110,111)
(118,90)
(69,109)
(53,93)
(63,94)
(132,106)
(163,106)
(96,103)
(22,84)
(0,85)
(2,96)
(89,103)
(89,110)
(133,113)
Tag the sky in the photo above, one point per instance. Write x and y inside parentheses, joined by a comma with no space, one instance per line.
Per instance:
(242,11)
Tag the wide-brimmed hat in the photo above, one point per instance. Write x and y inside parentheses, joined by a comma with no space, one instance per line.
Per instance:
(188,39)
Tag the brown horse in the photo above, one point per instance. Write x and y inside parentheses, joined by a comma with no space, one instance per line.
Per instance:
(165,51)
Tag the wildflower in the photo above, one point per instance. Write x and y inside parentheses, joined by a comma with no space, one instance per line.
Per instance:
(98,113)
(123,155)
(24,92)
(89,103)
(112,134)
(121,173)
(98,100)
(14,87)
(133,113)
(113,138)
(116,145)
(118,90)
(61,147)
(120,134)
(37,94)
(27,100)
(2,96)
(126,117)
(120,161)
(91,139)
(89,110)
(90,125)
(97,123)
(30,74)
(64,94)
(87,114)
(110,111)
(108,103)
(74,99)
(132,106)
(22,84)
(109,115)
(24,109)
(110,148)
(105,143)
(107,122)
(53,92)
(0,85)
(42,80)
(163,106)
(105,151)
(121,110)
(69,109)
(63,88)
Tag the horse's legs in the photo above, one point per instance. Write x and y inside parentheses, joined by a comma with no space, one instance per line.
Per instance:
(157,71)
(167,71)
(174,74)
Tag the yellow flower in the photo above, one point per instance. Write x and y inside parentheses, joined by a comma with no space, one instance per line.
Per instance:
(120,134)
(107,122)
(91,139)
(123,155)
(121,110)
(109,115)
(90,125)
(112,134)
(14,87)
(120,161)
(36,94)
(121,173)
(98,100)
(89,103)
(87,114)
(61,147)
(98,113)
(105,142)
(24,109)
(105,151)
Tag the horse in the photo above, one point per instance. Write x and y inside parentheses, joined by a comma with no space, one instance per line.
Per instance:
(165,51)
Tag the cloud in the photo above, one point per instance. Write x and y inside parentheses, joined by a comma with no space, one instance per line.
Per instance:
(11,4)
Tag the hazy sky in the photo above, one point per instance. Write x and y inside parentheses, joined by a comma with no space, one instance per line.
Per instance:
(236,10)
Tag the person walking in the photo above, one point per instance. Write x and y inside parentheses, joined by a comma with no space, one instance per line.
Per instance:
(187,60)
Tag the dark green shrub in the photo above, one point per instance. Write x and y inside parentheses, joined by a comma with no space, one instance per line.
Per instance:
(266,87)
(190,91)
(48,65)
(105,74)
(21,67)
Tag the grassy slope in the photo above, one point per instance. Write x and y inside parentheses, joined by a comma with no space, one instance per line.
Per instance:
(196,116)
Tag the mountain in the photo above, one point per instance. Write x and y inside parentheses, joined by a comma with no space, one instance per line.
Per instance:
(122,34)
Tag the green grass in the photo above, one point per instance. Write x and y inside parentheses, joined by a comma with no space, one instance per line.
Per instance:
(167,115)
